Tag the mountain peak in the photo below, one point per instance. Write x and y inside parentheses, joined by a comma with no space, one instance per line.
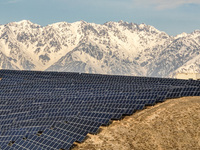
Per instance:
(196,32)
(81,22)
(120,21)
(24,22)
(181,35)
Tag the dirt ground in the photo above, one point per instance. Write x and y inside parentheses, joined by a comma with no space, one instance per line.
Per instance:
(171,125)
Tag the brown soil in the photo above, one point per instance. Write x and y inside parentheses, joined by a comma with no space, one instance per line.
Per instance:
(173,124)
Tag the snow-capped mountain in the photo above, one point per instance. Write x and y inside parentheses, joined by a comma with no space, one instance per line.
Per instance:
(111,48)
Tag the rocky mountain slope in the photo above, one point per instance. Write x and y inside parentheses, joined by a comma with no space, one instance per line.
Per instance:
(111,48)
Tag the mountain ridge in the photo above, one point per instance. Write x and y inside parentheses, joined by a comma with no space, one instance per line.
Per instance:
(111,48)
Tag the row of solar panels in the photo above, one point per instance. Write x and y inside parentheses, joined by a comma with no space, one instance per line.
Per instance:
(36,112)
(88,77)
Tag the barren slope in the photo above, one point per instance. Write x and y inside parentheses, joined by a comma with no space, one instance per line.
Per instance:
(174,124)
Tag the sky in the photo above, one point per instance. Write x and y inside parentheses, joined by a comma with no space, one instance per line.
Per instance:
(170,16)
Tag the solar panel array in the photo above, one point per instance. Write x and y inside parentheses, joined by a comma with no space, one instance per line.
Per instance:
(52,110)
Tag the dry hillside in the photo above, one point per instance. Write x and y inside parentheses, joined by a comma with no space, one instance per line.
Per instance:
(173,124)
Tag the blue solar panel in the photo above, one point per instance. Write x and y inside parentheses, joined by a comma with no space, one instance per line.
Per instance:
(52,110)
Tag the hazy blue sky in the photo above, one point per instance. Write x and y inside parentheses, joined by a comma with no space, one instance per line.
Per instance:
(171,16)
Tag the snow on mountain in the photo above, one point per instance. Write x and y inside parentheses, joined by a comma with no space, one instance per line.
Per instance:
(181,35)
(112,48)
(5,62)
(191,53)
(34,47)
(192,66)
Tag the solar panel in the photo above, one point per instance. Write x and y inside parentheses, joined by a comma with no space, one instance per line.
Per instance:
(52,110)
